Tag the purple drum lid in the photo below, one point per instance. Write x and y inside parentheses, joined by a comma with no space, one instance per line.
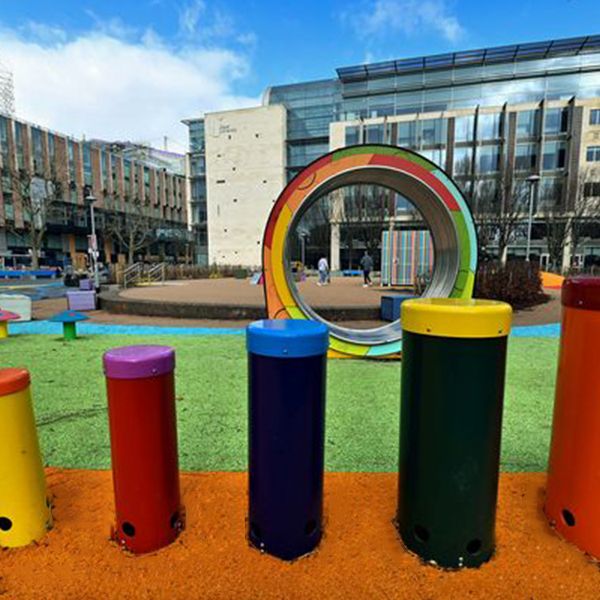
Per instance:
(138,362)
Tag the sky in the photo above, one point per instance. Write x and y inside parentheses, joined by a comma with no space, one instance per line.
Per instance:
(133,69)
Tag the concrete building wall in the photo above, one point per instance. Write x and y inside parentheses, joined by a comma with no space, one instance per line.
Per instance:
(245,162)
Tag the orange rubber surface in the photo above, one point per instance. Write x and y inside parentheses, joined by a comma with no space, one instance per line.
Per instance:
(360,556)
(552,281)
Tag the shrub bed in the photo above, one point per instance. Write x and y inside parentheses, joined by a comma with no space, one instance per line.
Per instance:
(517,282)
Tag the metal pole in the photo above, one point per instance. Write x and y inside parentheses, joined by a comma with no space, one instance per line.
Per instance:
(94,250)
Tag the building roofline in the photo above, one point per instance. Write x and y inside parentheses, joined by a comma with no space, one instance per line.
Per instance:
(468,58)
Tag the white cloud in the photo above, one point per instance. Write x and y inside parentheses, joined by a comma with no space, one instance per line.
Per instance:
(410,17)
(115,83)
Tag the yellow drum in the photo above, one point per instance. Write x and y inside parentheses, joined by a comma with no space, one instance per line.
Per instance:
(25,514)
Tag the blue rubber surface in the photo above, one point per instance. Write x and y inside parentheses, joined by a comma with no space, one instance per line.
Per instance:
(551,330)
(47,328)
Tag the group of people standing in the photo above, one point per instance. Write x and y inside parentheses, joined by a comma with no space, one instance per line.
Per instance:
(366,264)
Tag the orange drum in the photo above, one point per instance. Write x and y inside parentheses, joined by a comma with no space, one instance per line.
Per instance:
(573,489)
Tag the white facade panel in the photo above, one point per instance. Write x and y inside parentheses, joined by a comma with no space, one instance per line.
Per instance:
(245,165)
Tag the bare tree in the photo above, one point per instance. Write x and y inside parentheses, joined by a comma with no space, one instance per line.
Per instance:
(499,207)
(557,231)
(40,200)
(584,209)
(566,221)
(132,226)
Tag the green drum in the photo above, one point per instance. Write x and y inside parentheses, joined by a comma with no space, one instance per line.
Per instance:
(454,362)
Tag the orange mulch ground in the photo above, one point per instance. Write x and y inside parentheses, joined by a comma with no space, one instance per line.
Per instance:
(360,556)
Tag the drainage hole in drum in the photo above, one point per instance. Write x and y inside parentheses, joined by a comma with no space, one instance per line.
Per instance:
(568,517)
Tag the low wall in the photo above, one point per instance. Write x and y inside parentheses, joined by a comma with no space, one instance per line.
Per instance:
(112,302)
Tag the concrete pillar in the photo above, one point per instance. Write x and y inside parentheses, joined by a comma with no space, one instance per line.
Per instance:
(334,259)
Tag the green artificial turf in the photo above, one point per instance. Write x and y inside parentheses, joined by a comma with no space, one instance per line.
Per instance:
(362,403)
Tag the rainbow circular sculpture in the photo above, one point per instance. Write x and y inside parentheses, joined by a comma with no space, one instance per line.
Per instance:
(431,191)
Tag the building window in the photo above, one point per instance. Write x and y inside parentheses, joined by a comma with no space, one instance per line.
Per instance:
(38,151)
(407,133)
(527,123)
(595,116)
(555,155)
(463,158)
(375,134)
(593,154)
(352,135)
(550,193)
(4,141)
(71,159)
(433,131)
(556,121)
(52,154)
(464,128)
(486,194)
(591,189)
(525,157)
(488,159)
(197,165)
(126,172)
(87,164)
(105,169)
(489,126)
(437,156)
(19,138)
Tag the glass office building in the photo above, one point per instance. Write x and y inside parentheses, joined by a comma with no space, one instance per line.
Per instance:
(196,169)
(490,117)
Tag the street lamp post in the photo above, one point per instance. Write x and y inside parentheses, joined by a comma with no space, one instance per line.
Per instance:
(531,180)
(90,199)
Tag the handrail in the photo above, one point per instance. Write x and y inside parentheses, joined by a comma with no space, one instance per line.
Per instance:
(132,274)
(157,273)
(139,272)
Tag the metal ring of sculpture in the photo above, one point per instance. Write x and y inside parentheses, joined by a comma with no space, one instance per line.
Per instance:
(430,190)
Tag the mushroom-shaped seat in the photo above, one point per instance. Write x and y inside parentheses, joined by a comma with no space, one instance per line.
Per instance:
(5,317)
(69,319)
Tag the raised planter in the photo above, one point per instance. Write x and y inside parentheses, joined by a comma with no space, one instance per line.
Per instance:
(114,303)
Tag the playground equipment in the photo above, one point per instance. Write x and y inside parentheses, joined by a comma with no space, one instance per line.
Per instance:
(449,436)
(18,304)
(432,192)
(5,317)
(143,435)
(81,300)
(405,256)
(69,320)
(287,370)
(25,514)
(573,490)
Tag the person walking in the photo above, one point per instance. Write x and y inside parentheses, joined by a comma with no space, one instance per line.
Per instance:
(323,268)
(366,263)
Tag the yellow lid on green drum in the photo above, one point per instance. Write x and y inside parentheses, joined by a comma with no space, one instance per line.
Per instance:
(456,317)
